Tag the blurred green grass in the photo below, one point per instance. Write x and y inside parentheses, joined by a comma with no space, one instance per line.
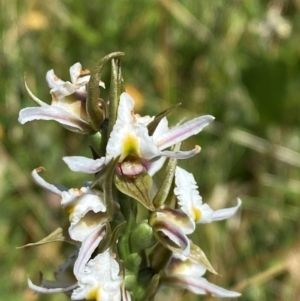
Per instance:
(236,60)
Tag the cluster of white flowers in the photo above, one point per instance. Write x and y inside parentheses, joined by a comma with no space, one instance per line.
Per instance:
(111,244)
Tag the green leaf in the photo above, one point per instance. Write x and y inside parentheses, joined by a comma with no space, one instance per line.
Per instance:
(199,256)
(94,104)
(153,124)
(136,187)
(57,235)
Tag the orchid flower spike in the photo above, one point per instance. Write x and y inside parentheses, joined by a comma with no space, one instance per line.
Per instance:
(190,201)
(68,105)
(131,141)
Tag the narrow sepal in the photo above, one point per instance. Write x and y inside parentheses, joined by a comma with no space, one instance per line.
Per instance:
(153,124)
(152,288)
(199,286)
(57,235)
(44,290)
(196,254)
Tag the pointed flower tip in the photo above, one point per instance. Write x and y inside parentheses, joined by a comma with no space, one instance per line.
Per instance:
(39,169)
(209,118)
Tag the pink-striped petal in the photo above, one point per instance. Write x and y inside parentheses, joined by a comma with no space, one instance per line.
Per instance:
(201,286)
(182,154)
(182,132)
(55,113)
(88,247)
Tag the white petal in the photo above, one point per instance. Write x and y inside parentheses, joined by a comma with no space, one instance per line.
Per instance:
(41,182)
(148,149)
(99,279)
(201,286)
(182,265)
(161,129)
(34,98)
(156,165)
(87,248)
(63,90)
(53,80)
(127,129)
(182,132)
(226,213)
(144,120)
(125,109)
(122,127)
(75,72)
(187,193)
(43,290)
(82,81)
(182,154)
(54,113)
(83,164)
(84,207)
(206,214)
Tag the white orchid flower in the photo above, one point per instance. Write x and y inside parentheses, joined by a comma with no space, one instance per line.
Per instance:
(85,207)
(131,141)
(173,225)
(186,273)
(99,280)
(190,201)
(68,101)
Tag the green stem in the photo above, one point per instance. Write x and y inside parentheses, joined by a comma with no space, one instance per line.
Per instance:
(116,88)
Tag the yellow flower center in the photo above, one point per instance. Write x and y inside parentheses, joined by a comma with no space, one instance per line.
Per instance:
(93,294)
(197,214)
(130,146)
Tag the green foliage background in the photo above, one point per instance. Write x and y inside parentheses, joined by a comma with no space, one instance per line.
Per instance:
(236,60)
